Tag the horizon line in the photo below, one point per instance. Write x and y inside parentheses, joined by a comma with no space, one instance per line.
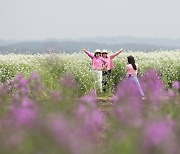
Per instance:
(89,37)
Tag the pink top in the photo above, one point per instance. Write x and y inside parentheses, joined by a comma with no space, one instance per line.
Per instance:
(109,60)
(97,62)
(130,70)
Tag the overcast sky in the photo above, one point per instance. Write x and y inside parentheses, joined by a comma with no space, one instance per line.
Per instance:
(41,19)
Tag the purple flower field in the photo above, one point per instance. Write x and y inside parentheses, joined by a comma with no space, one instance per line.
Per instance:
(36,119)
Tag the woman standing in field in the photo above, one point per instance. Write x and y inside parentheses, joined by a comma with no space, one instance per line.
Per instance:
(106,73)
(98,64)
(131,73)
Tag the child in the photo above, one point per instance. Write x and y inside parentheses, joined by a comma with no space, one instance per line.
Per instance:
(98,64)
(131,73)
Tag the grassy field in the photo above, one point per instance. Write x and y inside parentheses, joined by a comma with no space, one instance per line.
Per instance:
(48,105)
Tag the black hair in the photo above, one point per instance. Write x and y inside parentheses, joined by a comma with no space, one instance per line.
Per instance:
(97,53)
(104,53)
(132,61)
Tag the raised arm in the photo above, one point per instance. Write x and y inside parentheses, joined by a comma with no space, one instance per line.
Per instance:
(91,55)
(116,53)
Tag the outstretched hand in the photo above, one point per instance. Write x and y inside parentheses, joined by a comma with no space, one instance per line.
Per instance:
(121,50)
(83,49)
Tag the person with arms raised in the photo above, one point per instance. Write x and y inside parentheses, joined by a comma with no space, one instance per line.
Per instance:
(107,72)
(98,64)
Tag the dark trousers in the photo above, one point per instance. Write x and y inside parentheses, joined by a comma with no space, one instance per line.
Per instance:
(106,75)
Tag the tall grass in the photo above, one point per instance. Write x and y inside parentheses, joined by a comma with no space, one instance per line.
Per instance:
(52,67)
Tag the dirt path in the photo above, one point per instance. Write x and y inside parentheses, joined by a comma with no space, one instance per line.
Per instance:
(105,105)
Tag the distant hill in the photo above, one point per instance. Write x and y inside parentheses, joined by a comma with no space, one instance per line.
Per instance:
(72,45)
(7,42)
(175,43)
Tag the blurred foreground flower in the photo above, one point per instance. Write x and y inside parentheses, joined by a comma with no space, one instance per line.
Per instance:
(176,85)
